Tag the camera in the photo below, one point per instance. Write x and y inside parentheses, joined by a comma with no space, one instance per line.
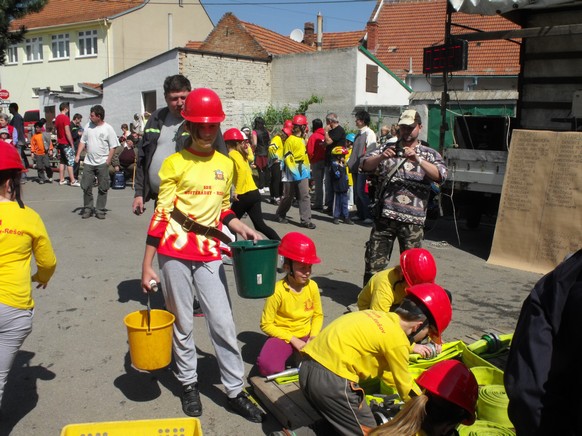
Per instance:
(399,150)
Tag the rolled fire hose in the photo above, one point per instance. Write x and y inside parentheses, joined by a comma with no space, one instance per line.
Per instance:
(492,405)
(484,428)
(490,345)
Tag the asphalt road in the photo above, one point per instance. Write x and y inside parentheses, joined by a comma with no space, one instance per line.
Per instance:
(75,367)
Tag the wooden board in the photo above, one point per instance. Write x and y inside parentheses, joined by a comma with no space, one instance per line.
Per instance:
(286,402)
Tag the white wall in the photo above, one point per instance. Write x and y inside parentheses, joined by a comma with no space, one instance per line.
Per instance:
(390,91)
(122,93)
(330,74)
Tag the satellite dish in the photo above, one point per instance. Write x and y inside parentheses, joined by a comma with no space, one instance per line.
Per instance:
(296,35)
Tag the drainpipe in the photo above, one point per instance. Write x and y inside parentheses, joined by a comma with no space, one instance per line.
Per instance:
(319,31)
(170,31)
(109,49)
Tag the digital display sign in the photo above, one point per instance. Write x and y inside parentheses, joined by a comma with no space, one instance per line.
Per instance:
(448,57)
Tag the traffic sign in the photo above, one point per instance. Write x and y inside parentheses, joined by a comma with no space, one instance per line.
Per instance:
(4,94)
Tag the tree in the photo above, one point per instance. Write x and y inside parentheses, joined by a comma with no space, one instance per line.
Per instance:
(11,10)
(275,117)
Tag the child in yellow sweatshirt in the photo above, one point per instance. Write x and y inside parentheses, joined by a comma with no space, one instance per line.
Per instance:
(292,316)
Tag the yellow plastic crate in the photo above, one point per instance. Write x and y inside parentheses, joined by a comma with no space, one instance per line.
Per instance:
(147,427)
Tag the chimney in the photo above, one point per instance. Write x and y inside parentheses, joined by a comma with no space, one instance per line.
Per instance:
(319,31)
(372,28)
(309,34)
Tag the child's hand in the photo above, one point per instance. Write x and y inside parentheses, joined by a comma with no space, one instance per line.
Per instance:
(297,343)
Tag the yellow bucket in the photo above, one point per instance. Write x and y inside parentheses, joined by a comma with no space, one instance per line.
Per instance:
(150,350)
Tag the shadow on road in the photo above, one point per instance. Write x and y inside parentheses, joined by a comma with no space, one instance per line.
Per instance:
(476,241)
(343,293)
(130,290)
(20,394)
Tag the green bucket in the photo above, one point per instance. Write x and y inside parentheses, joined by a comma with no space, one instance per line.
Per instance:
(255,267)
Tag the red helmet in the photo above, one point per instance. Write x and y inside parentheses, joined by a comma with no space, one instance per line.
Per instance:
(9,157)
(287,131)
(288,124)
(297,246)
(203,105)
(454,382)
(300,120)
(233,134)
(437,303)
(418,266)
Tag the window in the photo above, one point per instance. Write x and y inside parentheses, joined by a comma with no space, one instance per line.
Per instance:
(12,54)
(88,43)
(149,101)
(372,78)
(68,88)
(60,46)
(33,49)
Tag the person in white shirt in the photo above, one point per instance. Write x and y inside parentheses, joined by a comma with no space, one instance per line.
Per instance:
(100,140)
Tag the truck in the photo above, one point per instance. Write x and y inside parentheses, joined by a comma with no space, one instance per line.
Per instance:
(549,96)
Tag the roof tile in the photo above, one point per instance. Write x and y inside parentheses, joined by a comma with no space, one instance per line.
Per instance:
(58,12)
(405,27)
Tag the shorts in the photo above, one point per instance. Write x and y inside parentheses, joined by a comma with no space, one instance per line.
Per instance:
(67,155)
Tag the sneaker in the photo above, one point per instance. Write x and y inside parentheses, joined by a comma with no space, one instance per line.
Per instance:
(308,225)
(242,405)
(76,183)
(191,404)
(261,191)
(282,220)
(348,221)
(356,218)
(63,182)
(88,213)
(368,221)
(49,180)
(100,215)
(336,220)
(41,182)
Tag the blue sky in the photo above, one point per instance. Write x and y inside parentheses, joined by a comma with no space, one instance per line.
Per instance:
(283,16)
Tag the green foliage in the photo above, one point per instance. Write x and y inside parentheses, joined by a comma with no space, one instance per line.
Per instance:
(11,10)
(275,117)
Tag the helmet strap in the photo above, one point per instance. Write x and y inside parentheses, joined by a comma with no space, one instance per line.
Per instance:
(411,336)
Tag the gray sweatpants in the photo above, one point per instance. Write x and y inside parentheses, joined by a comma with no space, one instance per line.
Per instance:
(180,279)
(15,326)
(340,401)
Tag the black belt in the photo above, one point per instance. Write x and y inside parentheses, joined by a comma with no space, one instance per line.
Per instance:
(189,225)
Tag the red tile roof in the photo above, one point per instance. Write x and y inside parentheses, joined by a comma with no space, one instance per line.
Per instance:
(406,27)
(58,12)
(331,40)
(194,45)
(275,43)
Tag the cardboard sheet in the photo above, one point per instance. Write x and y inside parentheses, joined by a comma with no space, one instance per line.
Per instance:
(540,212)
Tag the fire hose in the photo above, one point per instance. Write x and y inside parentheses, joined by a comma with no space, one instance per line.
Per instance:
(492,405)
(484,428)
(490,345)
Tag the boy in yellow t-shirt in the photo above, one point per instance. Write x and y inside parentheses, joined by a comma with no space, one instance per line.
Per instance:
(292,316)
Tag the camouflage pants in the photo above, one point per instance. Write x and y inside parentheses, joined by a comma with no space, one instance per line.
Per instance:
(382,236)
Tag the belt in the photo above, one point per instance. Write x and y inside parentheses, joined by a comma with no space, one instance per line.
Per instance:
(189,225)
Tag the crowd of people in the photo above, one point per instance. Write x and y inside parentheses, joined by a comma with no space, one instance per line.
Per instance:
(203,182)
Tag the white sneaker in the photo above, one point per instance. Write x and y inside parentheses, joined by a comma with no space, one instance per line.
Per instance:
(261,191)
(63,182)
(75,183)
(368,221)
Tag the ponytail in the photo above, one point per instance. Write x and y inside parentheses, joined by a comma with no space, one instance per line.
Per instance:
(408,422)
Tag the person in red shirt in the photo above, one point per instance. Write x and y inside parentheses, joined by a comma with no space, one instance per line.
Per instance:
(316,152)
(65,145)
